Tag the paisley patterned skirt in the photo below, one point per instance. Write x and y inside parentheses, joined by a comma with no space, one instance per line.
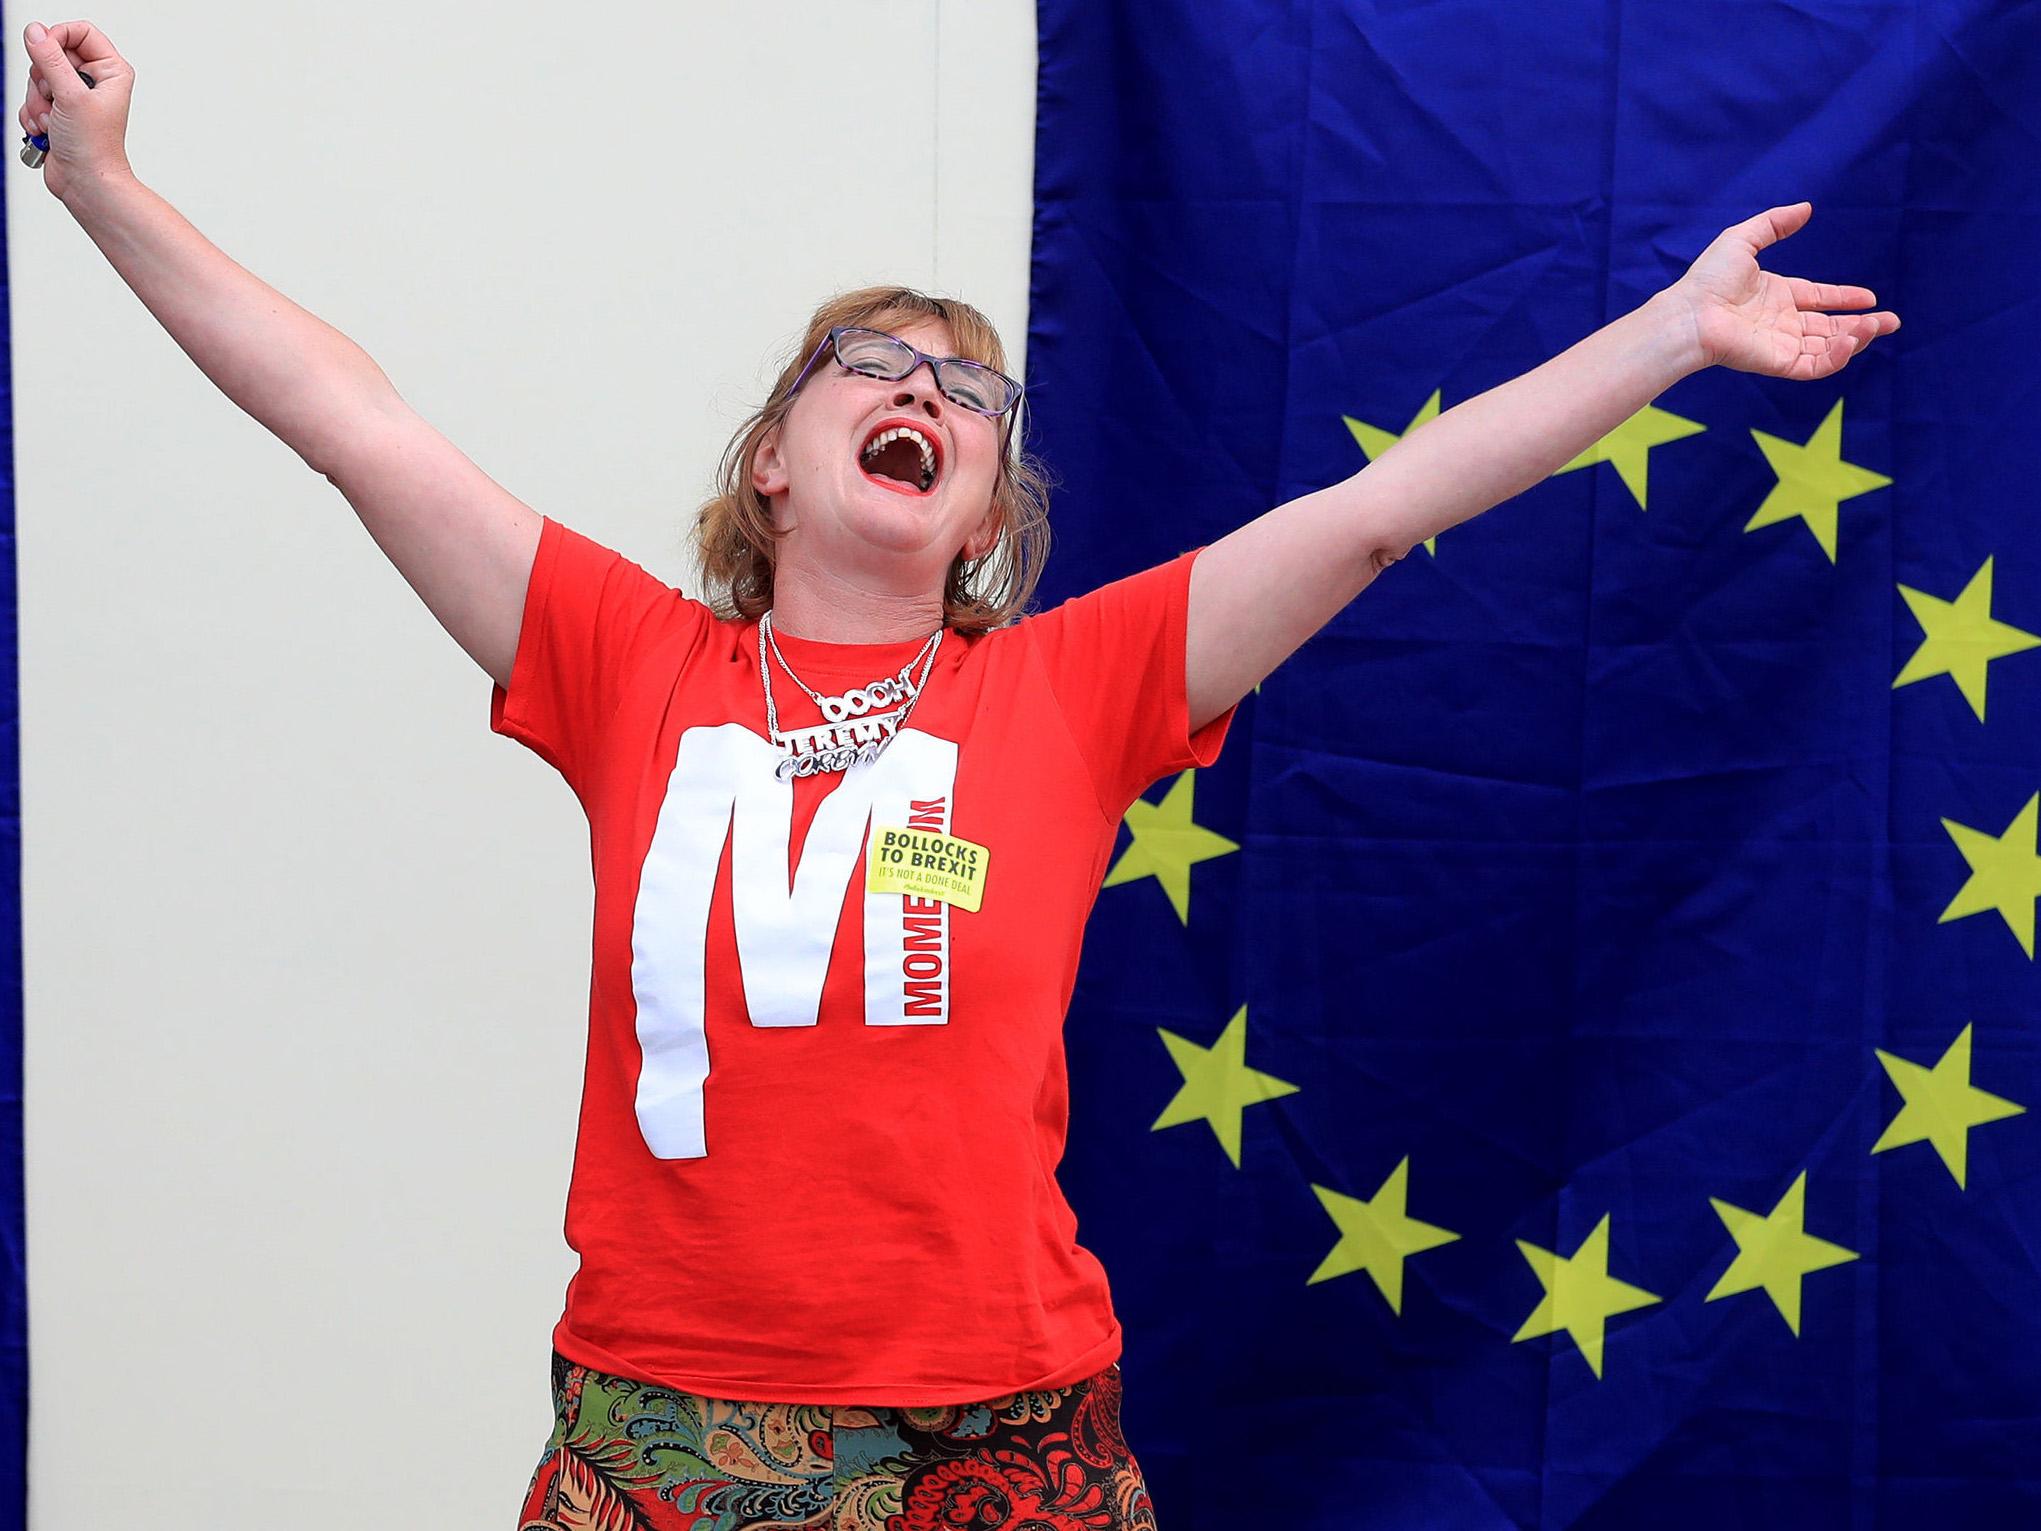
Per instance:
(636,1456)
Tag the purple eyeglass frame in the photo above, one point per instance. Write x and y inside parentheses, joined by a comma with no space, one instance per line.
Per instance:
(828,343)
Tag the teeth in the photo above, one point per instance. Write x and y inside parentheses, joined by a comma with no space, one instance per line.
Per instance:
(927,451)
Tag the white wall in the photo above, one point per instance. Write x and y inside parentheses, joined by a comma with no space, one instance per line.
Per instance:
(306,944)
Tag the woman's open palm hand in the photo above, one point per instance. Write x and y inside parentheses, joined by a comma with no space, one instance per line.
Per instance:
(1751,320)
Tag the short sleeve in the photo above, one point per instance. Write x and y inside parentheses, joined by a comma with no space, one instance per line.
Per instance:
(1115,659)
(594,625)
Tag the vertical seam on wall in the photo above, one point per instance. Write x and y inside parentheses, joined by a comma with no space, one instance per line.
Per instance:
(935,96)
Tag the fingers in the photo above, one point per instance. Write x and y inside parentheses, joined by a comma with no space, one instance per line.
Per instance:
(1841,340)
(62,51)
(1862,328)
(1811,298)
(61,60)
(1808,294)
(87,45)
(54,73)
(35,107)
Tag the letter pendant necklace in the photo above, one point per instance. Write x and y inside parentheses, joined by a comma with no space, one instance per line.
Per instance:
(852,731)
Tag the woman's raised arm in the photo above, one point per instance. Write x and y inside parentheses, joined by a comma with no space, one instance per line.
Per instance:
(464,543)
(1259,592)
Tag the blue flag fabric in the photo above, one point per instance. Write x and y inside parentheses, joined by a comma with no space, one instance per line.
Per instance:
(13,1210)
(1575,1060)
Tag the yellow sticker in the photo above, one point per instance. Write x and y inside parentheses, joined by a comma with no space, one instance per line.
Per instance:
(923,864)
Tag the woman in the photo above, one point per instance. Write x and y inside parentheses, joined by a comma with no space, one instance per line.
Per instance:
(848,816)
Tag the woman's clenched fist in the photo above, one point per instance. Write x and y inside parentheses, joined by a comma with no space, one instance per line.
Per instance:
(87,124)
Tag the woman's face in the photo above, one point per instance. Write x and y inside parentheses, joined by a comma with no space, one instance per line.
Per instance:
(845,508)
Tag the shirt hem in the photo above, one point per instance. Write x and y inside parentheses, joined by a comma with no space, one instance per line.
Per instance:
(874,1395)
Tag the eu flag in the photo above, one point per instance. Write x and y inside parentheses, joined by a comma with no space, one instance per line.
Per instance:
(1575,1060)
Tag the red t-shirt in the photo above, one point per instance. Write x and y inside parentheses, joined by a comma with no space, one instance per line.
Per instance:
(820,1124)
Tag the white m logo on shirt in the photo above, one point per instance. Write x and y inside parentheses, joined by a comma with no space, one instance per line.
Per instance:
(723,788)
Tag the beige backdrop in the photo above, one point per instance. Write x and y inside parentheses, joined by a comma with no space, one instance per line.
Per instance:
(306,944)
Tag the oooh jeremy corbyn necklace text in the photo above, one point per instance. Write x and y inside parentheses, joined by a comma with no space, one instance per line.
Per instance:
(852,731)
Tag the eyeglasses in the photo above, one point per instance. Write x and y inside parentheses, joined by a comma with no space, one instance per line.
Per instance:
(874,353)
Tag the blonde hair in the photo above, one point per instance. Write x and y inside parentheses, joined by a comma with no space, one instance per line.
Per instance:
(737,542)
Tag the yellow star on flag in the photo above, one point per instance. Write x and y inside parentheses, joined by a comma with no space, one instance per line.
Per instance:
(1773,1251)
(1217,1084)
(2005,874)
(1813,480)
(1941,1105)
(1580,1294)
(1629,446)
(1374,441)
(1375,1236)
(1167,844)
(1961,638)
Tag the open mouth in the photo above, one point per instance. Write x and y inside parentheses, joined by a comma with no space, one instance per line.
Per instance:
(901,458)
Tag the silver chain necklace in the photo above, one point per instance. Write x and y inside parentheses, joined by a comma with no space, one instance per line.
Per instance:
(851,731)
